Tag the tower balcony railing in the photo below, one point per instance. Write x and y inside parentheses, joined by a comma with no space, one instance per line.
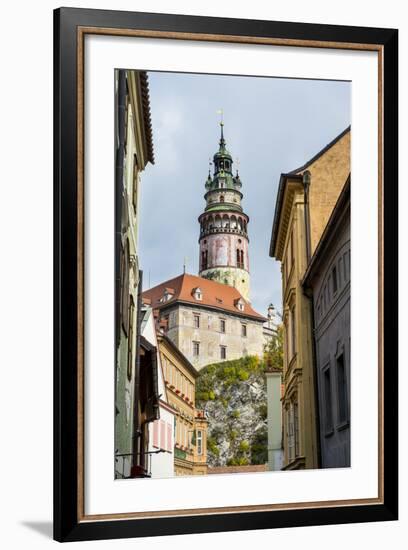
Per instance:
(222,229)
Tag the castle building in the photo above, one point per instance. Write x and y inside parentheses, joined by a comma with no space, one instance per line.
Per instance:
(305,201)
(223,226)
(208,321)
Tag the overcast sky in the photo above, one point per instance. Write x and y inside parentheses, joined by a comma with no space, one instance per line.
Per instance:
(272,125)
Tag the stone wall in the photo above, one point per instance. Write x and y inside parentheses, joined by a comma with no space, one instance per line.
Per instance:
(182,331)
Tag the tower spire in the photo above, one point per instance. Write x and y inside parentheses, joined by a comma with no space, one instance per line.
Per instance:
(222,140)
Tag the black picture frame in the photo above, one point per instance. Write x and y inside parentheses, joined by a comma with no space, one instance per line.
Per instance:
(67,526)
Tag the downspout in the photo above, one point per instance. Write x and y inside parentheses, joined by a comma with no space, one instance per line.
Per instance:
(306,179)
(136,401)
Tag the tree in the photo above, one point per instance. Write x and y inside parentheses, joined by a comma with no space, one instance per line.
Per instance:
(273,351)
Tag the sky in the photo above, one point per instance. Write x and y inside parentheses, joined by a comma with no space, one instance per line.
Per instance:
(271,125)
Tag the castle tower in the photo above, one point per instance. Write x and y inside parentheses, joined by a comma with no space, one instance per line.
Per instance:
(223,226)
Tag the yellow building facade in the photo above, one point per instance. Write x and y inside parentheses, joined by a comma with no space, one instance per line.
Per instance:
(190,430)
(305,201)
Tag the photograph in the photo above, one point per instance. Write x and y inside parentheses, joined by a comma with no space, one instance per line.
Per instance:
(232,274)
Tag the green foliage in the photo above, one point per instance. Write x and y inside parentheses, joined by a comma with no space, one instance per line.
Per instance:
(235,414)
(243,446)
(259,447)
(212,446)
(273,351)
(238,461)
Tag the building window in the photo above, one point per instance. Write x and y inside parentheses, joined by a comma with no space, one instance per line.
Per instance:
(196,349)
(243,330)
(196,321)
(125,296)
(199,442)
(342,389)
(222,325)
(328,407)
(334,279)
(223,352)
(296,427)
(293,330)
(290,431)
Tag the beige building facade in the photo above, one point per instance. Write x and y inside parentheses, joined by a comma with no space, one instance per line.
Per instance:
(190,429)
(305,201)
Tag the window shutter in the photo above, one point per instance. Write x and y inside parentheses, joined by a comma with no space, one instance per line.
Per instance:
(156,433)
(162,435)
(169,437)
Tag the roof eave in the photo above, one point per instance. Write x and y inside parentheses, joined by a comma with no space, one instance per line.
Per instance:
(278,210)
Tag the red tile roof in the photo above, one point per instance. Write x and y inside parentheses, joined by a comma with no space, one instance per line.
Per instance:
(214,295)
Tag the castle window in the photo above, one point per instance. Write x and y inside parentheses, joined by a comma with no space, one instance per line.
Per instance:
(222,325)
(204,259)
(196,349)
(223,352)
(239,304)
(240,258)
(243,330)
(196,321)
(197,293)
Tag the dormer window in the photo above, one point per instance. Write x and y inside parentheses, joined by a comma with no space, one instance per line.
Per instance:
(221,183)
(168,295)
(240,304)
(198,295)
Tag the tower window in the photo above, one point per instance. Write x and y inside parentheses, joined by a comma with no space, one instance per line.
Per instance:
(240,258)
(204,259)
(221,198)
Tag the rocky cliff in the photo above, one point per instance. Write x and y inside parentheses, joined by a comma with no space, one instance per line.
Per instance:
(233,395)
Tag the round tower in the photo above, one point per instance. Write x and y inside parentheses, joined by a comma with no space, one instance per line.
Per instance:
(223,226)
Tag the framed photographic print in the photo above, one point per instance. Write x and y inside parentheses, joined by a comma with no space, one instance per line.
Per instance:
(225,274)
